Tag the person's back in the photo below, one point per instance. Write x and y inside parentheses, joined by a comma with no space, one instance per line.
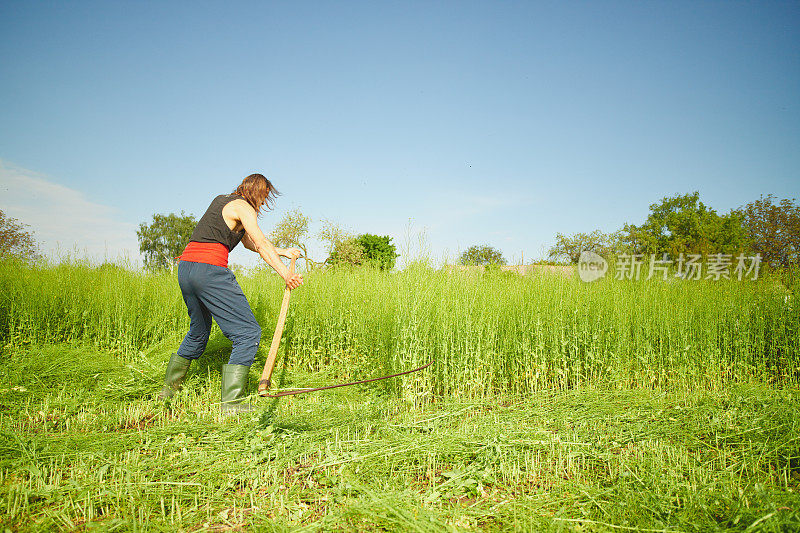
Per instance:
(212,239)
(212,226)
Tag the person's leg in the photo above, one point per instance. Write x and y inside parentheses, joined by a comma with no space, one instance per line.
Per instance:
(194,343)
(224,298)
(191,278)
(173,377)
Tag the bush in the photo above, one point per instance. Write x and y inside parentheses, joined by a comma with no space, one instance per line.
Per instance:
(482,254)
(378,250)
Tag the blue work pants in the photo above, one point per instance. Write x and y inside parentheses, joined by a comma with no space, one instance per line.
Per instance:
(212,291)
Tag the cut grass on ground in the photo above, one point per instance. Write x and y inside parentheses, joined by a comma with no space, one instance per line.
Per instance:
(84,444)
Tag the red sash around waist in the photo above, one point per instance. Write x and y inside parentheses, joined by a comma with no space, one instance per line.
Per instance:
(213,253)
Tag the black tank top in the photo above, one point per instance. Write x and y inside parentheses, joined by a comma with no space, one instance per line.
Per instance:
(212,227)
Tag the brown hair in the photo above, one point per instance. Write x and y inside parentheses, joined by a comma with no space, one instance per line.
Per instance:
(257,190)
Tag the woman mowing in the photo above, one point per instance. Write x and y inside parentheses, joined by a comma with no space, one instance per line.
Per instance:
(210,289)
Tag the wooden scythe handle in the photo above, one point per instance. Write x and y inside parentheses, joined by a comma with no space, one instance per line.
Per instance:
(266,375)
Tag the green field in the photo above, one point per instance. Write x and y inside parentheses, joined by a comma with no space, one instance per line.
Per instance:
(552,405)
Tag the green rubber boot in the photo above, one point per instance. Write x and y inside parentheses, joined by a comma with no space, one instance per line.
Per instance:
(176,371)
(234,389)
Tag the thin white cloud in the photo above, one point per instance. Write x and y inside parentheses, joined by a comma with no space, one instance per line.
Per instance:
(63,220)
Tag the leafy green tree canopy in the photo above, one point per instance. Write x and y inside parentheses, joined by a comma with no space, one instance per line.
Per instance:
(683,224)
(343,249)
(378,250)
(292,231)
(482,254)
(569,248)
(774,230)
(15,241)
(164,239)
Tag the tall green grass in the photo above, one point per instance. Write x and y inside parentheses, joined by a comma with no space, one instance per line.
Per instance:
(553,406)
(84,447)
(488,333)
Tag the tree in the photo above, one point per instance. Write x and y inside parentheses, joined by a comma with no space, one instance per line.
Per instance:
(291,231)
(481,254)
(343,249)
(683,224)
(774,230)
(15,241)
(378,250)
(570,247)
(164,239)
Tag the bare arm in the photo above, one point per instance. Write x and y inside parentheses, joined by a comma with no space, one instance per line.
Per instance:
(250,245)
(247,243)
(259,243)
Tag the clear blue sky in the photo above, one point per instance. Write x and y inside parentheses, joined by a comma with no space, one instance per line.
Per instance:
(482,122)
